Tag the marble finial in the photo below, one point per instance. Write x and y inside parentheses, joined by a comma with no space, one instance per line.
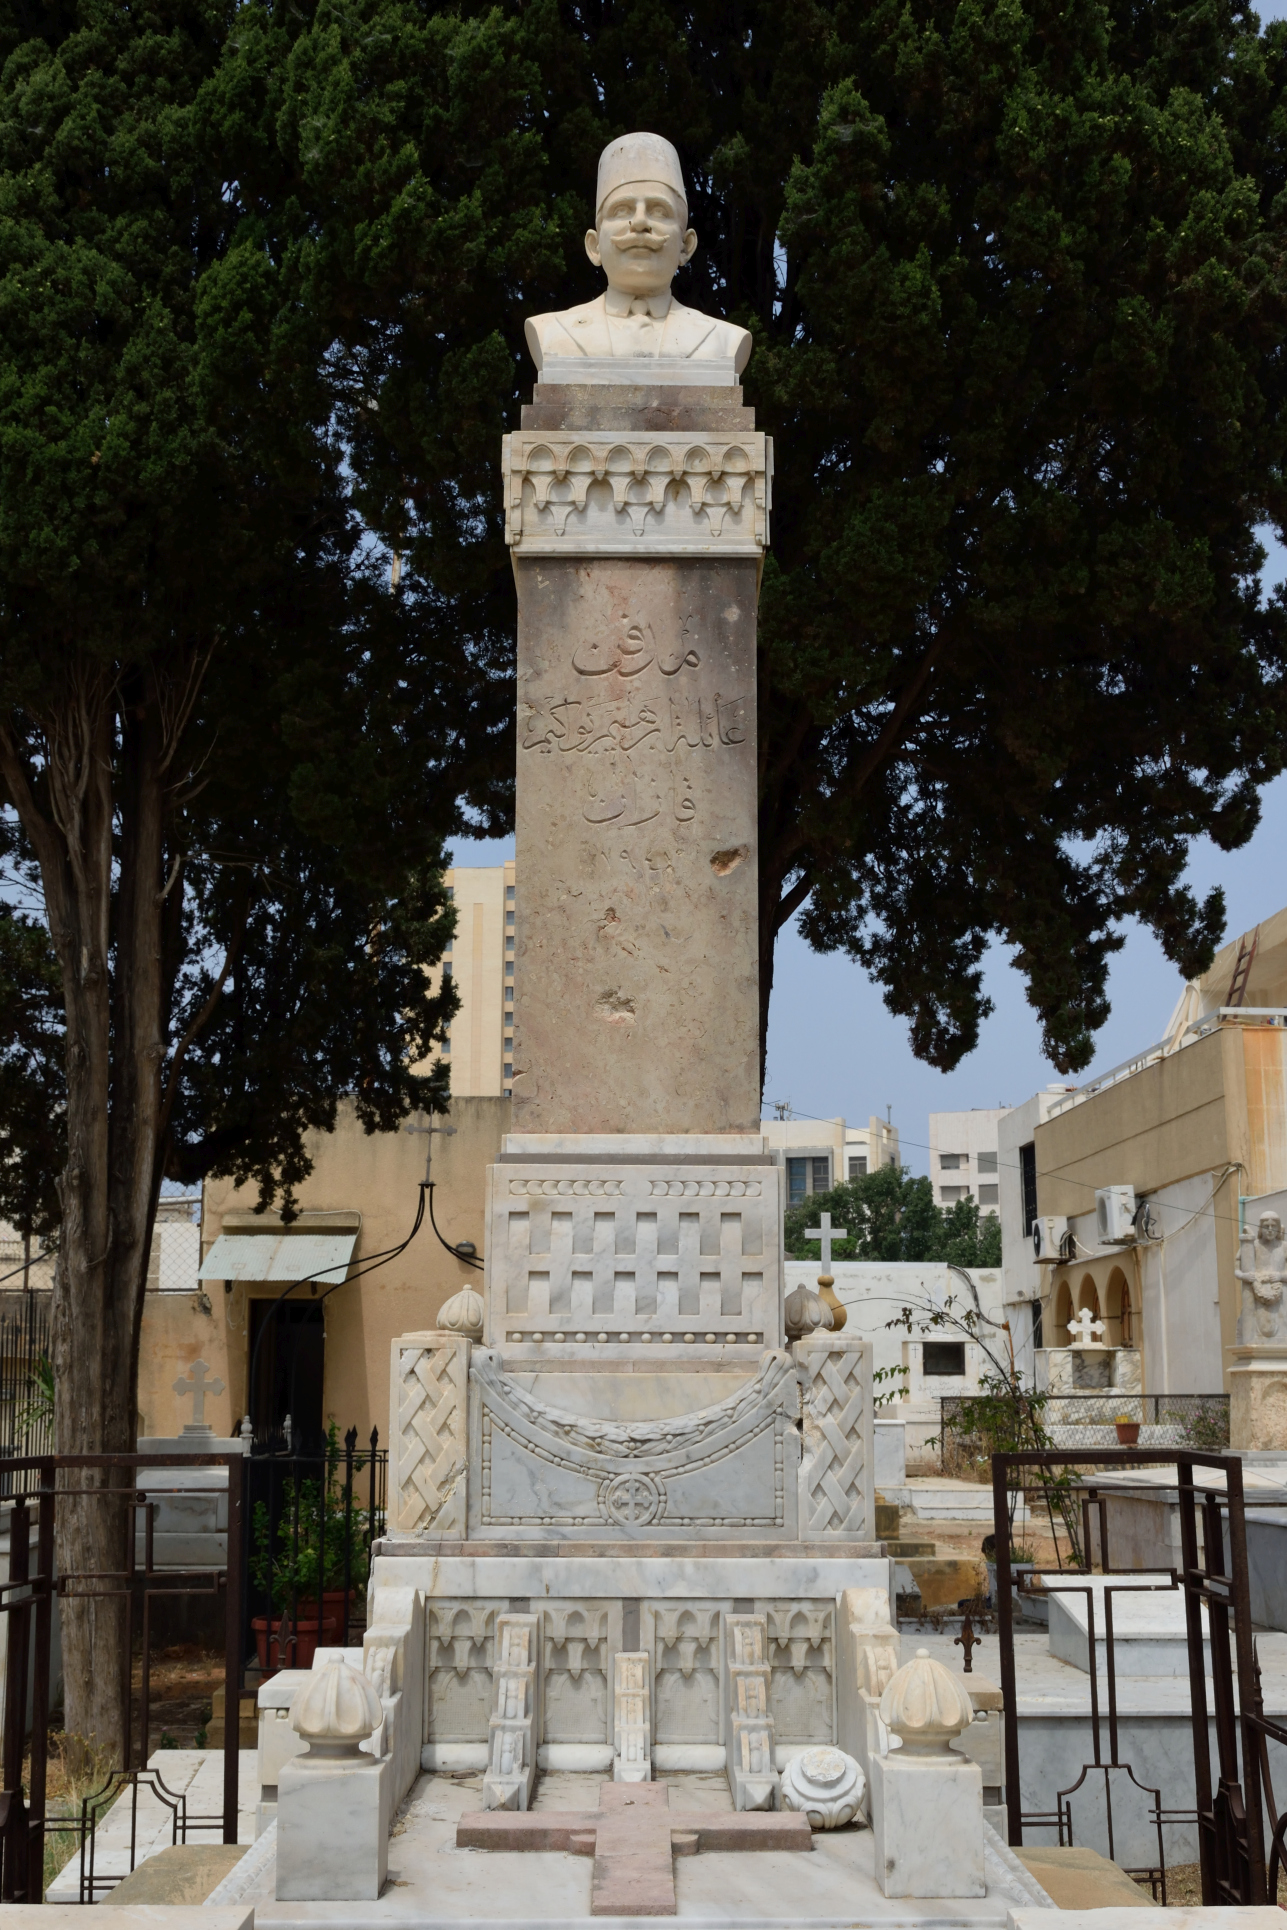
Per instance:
(925,1705)
(336,1710)
(826,1785)
(462,1314)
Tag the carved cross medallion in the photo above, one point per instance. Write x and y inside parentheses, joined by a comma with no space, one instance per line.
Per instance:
(1085,1329)
(633,1839)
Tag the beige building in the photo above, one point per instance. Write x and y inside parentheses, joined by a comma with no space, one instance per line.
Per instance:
(325,1355)
(963,1156)
(480,961)
(1196,1125)
(819,1153)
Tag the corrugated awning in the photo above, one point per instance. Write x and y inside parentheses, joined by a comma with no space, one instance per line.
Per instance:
(280,1257)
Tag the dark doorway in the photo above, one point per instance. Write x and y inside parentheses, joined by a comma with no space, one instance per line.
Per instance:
(288,1375)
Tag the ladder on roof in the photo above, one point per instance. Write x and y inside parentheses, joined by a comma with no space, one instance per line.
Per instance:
(1242,967)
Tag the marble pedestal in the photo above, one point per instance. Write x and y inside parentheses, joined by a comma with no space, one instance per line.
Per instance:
(1258,1395)
(333,1820)
(927,1819)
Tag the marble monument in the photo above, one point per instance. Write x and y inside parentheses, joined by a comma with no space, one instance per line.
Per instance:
(631,1505)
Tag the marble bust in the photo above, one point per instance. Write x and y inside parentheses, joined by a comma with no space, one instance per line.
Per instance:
(1262,1280)
(640,240)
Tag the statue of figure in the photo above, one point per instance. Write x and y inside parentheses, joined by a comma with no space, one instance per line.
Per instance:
(641,239)
(1263,1280)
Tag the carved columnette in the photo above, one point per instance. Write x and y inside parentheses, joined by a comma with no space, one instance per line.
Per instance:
(837,1474)
(631,1718)
(514,1729)
(749,1734)
(429,1446)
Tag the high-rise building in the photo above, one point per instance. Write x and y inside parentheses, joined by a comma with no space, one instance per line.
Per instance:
(480,959)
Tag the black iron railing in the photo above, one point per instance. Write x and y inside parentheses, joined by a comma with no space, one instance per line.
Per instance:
(26,1383)
(310,1521)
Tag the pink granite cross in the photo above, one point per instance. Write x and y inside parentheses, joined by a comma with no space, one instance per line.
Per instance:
(633,1837)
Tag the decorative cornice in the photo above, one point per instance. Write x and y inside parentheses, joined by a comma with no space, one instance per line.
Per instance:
(598,492)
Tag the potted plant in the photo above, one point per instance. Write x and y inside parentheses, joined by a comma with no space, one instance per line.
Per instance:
(1128,1431)
(321,1537)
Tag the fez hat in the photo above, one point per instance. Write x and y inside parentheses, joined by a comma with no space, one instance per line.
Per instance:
(638,157)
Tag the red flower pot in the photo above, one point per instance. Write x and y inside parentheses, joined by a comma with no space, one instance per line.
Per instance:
(1128,1432)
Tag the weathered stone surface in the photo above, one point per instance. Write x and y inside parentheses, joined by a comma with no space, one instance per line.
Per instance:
(1258,1395)
(636,975)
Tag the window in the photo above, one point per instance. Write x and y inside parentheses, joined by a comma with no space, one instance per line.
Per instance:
(509,968)
(509,893)
(987,1162)
(944,1358)
(509,1071)
(509,994)
(821,1175)
(1037,1340)
(989,1196)
(447,949)
(950,1194)
(446,970)
(1028,1181)
(509,917)
(451,892)
(857,1166)
(950,1162)
(445,1047)
(796,1186)
(509,944)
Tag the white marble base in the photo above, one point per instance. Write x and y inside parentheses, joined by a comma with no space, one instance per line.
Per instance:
(1149,1630)
(435,1886)
(332,1829)
(927,1824)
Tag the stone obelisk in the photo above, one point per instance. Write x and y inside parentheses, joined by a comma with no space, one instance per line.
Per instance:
(635,1205)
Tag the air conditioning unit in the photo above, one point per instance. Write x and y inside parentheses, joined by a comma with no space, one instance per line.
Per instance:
(1115,1215)
(1051,1241)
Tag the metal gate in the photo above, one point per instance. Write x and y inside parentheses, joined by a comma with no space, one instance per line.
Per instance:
(1228,1812)
(39,1487)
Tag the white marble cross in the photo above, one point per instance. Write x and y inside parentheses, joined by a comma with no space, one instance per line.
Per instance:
(198,1387)
(1082,1330)
(826,1233)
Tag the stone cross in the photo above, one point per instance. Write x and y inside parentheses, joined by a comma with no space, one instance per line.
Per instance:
(1082,1330)
(633,1839)
(198,1387)
(826,1233)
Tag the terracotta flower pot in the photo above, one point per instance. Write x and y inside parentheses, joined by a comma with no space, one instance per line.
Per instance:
(1128,1432)
(295,1651)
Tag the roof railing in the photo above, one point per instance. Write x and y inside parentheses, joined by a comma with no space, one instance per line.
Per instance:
(1197,1029)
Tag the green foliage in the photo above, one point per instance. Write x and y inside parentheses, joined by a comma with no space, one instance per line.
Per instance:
(890,1214)
(316,1531)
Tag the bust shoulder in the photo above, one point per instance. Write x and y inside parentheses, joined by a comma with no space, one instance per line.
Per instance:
(691,333)
(568,331)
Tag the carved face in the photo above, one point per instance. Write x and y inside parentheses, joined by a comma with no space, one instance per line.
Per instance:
(1270,1229)
(641,239)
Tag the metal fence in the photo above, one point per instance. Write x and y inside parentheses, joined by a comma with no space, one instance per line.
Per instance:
(26,1382)
(974,1426)
(310,1521)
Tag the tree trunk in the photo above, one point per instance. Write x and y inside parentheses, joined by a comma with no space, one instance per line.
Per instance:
(115,1047)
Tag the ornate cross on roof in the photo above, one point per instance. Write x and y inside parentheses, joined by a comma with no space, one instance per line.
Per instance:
(1082,1330)
(198,1387)
(633,1838)
(826,1233)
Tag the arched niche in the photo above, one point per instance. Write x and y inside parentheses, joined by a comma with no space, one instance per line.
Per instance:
(1063,1313)
(1120,1316)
